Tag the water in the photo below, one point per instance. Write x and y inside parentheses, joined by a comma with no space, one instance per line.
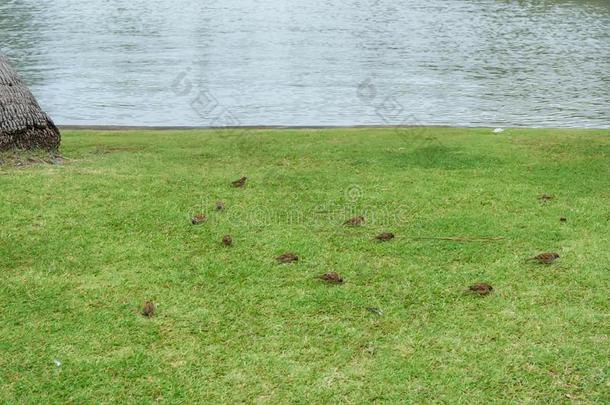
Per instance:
(318,62)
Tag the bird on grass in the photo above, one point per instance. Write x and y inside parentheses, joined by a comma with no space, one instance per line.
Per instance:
(149,309)
(355,221)
(563,219)
(374,310)
(545,258)
(287,257)
(198,219)
(385,236)
(331,277)
(480,288)
(239,182)
(220,206)
(227,240)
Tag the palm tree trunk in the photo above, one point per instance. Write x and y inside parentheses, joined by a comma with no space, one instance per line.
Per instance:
(23,124)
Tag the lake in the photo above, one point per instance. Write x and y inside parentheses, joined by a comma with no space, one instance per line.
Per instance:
(343,62)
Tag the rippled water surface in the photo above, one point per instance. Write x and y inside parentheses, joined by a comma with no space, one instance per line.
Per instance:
(315,62)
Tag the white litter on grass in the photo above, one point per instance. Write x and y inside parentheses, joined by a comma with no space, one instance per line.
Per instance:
(57,362)
(498,130)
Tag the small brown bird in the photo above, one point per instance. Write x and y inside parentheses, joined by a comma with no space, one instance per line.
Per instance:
(198,219)
(563,219)
(385,236)
(220,206)
(355,221)
(481,288)
(227,240)
(545,258)
(287,258)
(331,277)
(149,309)
(374,310)
(239,182)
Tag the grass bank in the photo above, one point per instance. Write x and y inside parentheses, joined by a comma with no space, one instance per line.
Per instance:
(84,242)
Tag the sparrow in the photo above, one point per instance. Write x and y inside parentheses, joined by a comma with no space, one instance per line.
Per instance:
(220,206)
(287,258)
(239,182)
(149,309)
(355,221)
(375,311)
(481,288)
(331,277)
(385,236)
(198,219)
(227,240)
(545,258)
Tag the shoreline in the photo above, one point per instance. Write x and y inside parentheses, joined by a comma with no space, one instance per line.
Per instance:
(295,127)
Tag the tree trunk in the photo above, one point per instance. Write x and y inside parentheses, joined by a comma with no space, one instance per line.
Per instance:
(23,124)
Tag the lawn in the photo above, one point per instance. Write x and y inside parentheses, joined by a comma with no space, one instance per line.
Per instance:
(86,241)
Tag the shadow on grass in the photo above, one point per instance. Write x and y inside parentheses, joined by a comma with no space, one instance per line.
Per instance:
(434,155)
(24,158)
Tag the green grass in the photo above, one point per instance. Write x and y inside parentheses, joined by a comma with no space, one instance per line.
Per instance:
(84,243)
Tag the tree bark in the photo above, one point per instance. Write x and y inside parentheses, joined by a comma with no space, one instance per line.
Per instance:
(23,124)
